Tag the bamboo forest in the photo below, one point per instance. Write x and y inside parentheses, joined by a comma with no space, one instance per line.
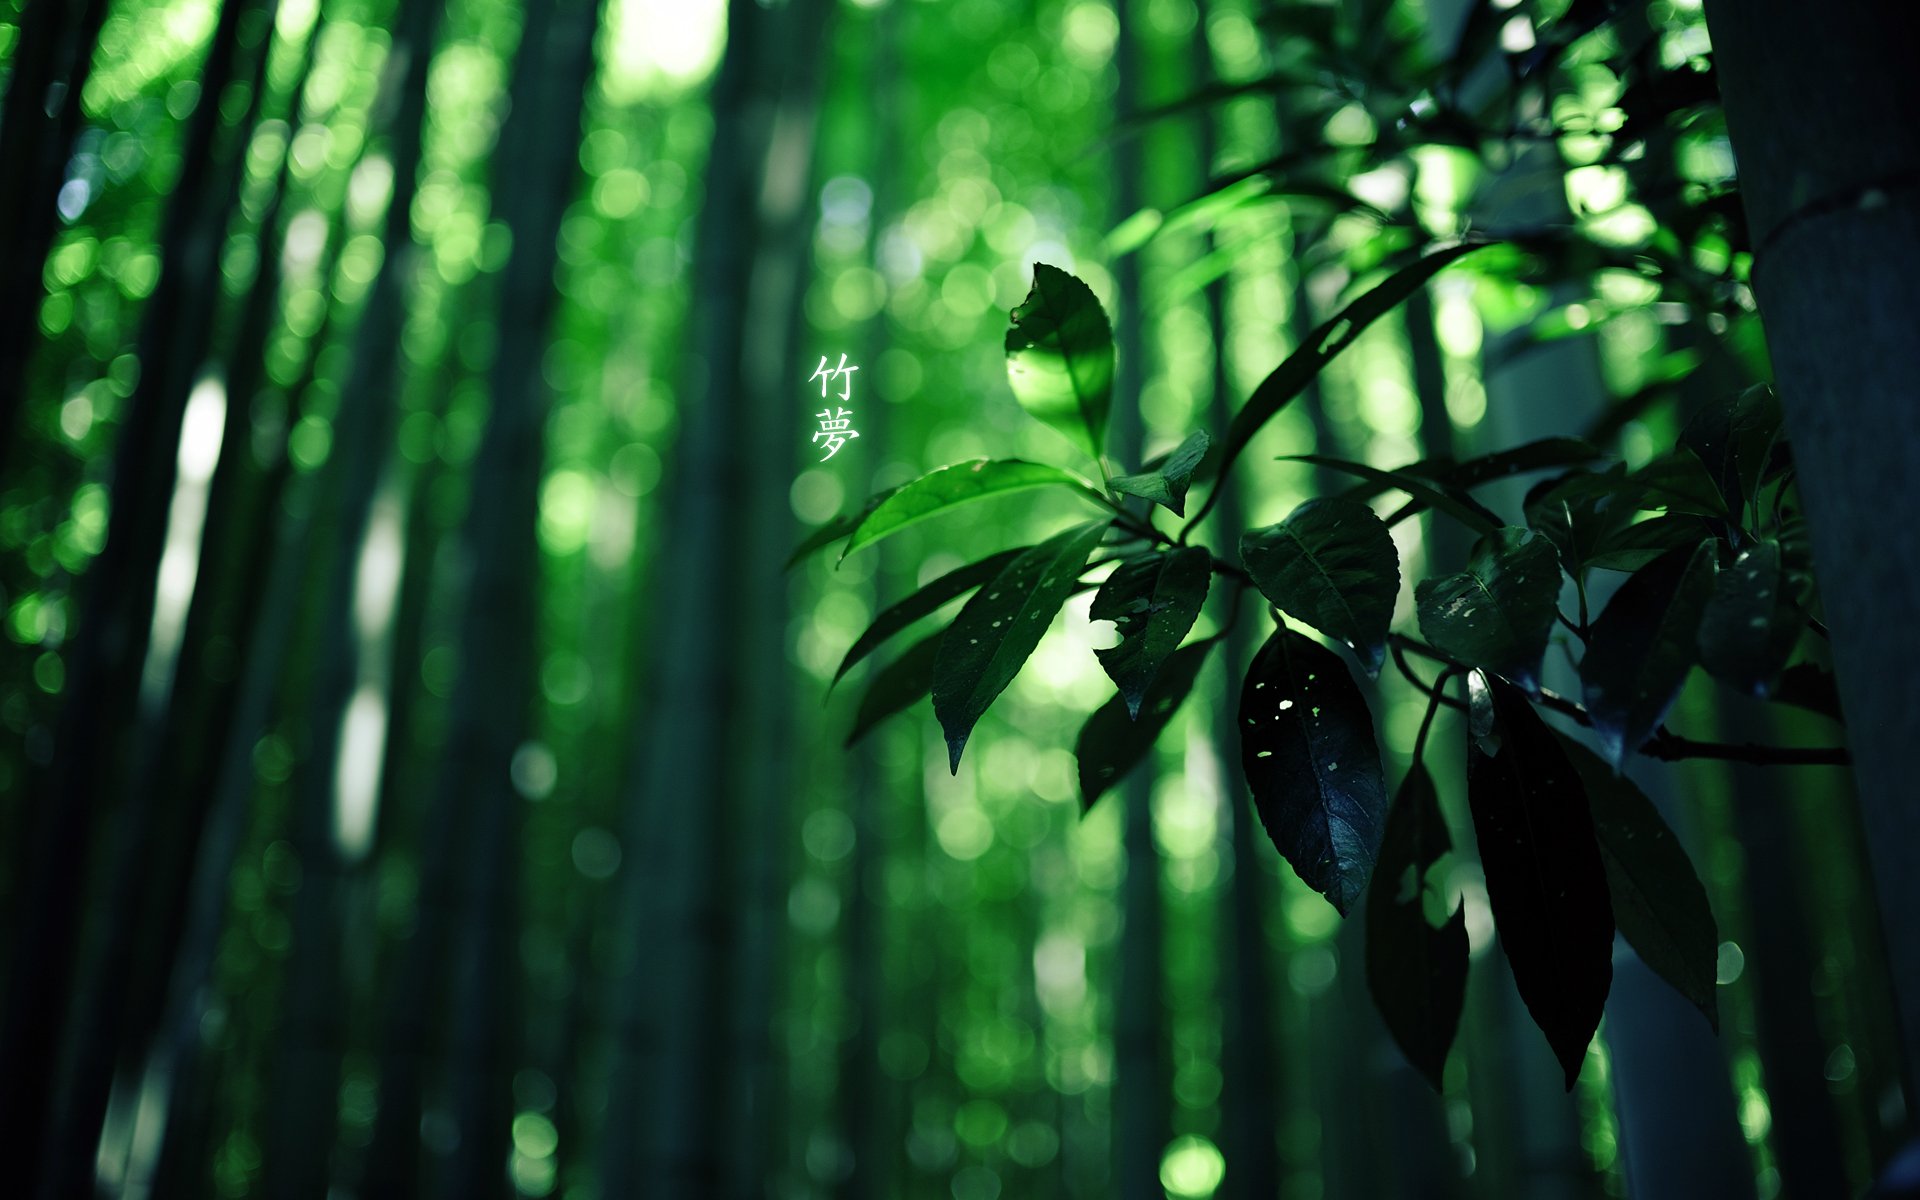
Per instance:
(959,599)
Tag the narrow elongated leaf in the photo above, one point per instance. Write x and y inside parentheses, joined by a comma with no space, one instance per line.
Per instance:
(999,627)
(1060,358)
(1497,614)
(1416,947)
(1153,601)
(1443,496)
(1642,647)
(1332,565)
(1540,455)
(896,686)
(942,489)
(1166,484)
(832,531)
(1751,621)
(1324,343)
(1114,739)
(1658,901)
(1545,879)
(948,587)
(1309,755)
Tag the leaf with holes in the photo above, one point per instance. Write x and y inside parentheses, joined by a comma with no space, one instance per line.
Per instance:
(1498,613)
(929,599)
(1416,947)
(1309,755)
(1332,565)
(943,489)
(1546,883)
(1152,601)
(1114,739)
(1658,901)
(1060,358)
(1642,646)
(999,627)
(1751,621)
(1166,484)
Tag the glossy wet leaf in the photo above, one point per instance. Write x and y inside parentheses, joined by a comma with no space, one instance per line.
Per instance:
(1499,612)
(1166,484)
(1331,565)
(929,599)
(1751,622)
(1445,497)
(1308,752)
(1114,739)
(1152,601)
(940,490)
(1546,882)
(1324,343)
(1060,358)
(896,686)
(1416,932)
(998,628)
(1642,646)
(1658,901)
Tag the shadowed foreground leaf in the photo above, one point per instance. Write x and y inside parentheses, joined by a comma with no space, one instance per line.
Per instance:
(896,686)
(1331,565)
(1545,879)
(1658,901)
(1497,614)
(948,587)
(1308,752)
(1060,358)
(1152,601)
(1751,623)
(1416,968)
(1113,740)
(1642,647)
(999,627)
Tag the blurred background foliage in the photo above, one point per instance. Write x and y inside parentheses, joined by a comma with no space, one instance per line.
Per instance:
(420,772)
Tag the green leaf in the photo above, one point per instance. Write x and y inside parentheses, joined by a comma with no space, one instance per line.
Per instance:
(1153,602)
(1497,614)
(1546,883)
(1332,565)
(1733,439)
(1309,755)
(1580,510)
(1060,358)
(948,587)
(1166,485)
(839,527)
(1679,482)
(1540,455)
(1634,546)
(942,489)
(1324,343)
(1416,965)
(896,686)
(1751,622)
(1642,647)
(999,627)
(1115,738)
(1443,496)
(1658,901)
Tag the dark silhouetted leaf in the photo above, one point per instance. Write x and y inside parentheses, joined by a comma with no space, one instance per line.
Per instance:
(1658,901)
(1811,687)
(1060,358)
(1416,947)
(1580,510)
(948,587)
(937,491)
(1680,482)
(1545,880)
(1642,647)
(1308,751)
(1324,343)
(1166,485)
(1113,739)
(1498,613)
(1453,501)
(1733,439)
(1751,621)
(1332,565)
(1153,602)
(896,686)
(1634,546)
(999,627)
